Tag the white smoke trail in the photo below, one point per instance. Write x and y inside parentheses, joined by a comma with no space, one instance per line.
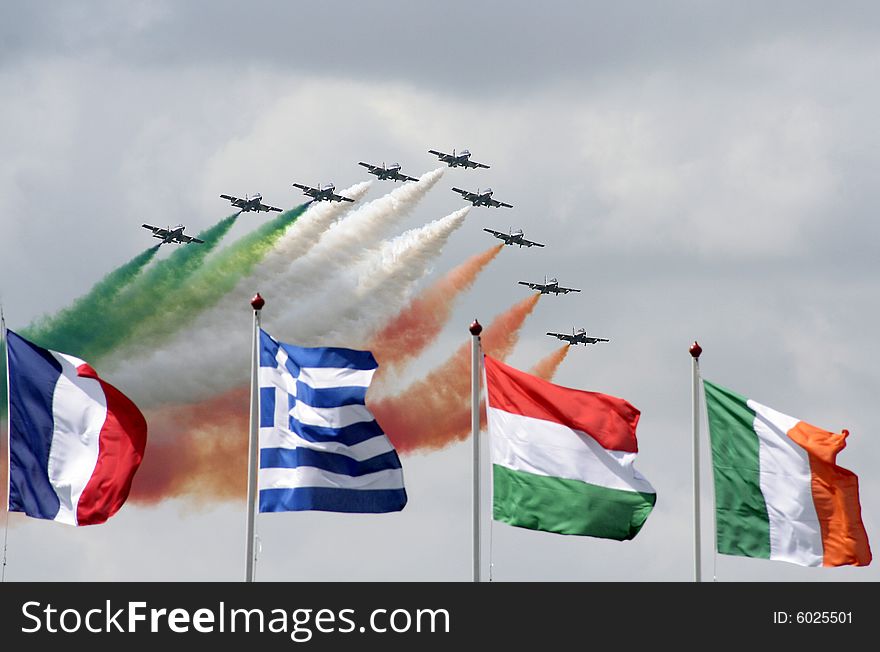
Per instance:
(304,233)
(352,237)
(214,355)
(365,295)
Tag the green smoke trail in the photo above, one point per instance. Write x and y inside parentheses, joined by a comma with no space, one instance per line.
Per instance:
(93,334)
(50,331)
(214,279)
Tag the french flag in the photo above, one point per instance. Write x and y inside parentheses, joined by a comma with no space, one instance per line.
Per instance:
(75,441)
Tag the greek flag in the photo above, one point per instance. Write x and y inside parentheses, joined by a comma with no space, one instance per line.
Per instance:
(320,447)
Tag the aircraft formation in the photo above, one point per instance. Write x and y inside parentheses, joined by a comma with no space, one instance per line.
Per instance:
(393,172)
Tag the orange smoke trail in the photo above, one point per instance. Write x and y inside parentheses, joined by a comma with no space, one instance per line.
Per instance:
(408,334)
(199,450)
(546,367)
(434,412)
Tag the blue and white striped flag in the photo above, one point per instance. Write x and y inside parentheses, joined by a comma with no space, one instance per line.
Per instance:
(320,447)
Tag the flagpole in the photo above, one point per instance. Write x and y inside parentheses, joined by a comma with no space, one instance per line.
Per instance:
(475,330)
(5,345)
(695,351)
(253,441)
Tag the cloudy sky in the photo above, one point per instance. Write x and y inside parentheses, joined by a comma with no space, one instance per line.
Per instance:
(700,170)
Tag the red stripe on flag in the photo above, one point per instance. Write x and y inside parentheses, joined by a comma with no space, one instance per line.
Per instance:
(609,420)
(120,451)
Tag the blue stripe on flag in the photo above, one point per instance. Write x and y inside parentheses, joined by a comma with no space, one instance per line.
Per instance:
(330,397)
(349,435)
(268,350)
(267,407)
(372,501)
(334,358)
(291,458)
(33,374)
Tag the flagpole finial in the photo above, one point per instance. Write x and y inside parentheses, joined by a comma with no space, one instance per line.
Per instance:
(258,302)
(475,328)
(695,350)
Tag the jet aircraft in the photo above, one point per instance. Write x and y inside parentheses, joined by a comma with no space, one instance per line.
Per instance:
(481,198)
(578,336)
(171,234)
(514,238)
(392,172)
(322,193)
(462,159)
(250,203)
(548,286)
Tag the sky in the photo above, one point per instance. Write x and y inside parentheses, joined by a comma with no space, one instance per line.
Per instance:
(700,170)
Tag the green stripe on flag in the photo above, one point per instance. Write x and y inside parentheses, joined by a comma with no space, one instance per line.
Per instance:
(741,522)
(566,506)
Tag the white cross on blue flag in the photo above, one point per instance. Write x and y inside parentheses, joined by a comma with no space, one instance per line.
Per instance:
(320,447)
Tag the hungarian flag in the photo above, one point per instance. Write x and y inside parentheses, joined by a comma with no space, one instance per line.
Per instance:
(778,492)
(562,459)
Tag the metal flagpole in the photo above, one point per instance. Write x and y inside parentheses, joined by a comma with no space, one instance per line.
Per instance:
(476,362)
(3,341)
(253,443)
(695,351)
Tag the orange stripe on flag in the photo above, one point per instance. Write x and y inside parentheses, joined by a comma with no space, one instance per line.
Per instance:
(836,496)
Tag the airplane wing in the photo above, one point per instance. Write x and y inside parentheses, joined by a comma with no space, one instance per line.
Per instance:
(529,243)
(436,153)
(306,189)
(157,230)
(368,166)
(534,286)
(593,340)
(404,177)
(567,290)
(474,164)
(336,197)
(230,198)
(264,207)
(187,239)
(562,336)
(470,196)
(498,234)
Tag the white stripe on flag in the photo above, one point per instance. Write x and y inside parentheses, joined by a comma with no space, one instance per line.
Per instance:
(307,476)
(273,437)
(331,377)
(336,417)
(79,410)
(315,377)
(550,449)
(786,482)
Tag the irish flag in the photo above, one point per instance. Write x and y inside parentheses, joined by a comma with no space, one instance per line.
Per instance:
(778,492)
(562,459)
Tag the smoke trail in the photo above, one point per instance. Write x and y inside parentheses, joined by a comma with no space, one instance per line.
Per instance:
(198,451)
(414,328)
(352,307)
(209,283)
(353,237)
(435,411)
(363,297)
(93,335)
(546,367)
(76,322)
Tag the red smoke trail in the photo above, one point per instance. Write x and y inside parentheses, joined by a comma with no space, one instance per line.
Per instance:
(546,367)
(408,334)
(433,412)
(200,450)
